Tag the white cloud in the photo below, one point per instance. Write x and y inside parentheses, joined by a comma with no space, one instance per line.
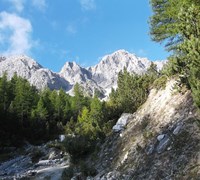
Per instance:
(19,40)
(17,4)
(71,29)
(39,4)
(88,4)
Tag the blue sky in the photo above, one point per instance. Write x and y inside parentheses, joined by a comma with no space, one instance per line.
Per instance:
(55,31)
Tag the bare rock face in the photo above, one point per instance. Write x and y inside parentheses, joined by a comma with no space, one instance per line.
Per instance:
(29,69)
(160,141)
(100,78)
(105,73)
(73,73)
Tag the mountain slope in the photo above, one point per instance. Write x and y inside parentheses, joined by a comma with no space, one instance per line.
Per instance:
(29,69)
(100,78)
(106,72)
(73,73)
(160,141)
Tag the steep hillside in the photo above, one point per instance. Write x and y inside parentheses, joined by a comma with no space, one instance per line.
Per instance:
(160,141)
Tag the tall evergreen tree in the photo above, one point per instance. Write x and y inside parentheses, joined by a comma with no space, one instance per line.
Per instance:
(177,23)
(6,94)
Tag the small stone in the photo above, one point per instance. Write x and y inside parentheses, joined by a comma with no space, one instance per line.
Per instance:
(160,137)
(163,144)
(177,130)
(150,150)
(169,148)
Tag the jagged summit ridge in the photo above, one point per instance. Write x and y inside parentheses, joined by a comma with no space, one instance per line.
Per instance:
(106,72)
(21,64)
(73,73)
(29,69)
(101,77)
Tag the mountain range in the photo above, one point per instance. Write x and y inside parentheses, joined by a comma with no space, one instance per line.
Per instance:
(101,77)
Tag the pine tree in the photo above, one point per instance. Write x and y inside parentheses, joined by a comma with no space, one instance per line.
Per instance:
(78,101)
(40,112)
(6,94)
(177,23)
(25,99)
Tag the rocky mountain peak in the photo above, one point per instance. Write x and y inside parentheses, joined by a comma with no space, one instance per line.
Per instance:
(72,65)
(74,73)
(20,64)
(29,69)
(106,72)
(101,77)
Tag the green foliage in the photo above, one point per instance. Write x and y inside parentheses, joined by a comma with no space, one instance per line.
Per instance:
(78,101)
(78,146)
(68,173)
(87,169)
(160,83)
(26,114)
(87,130)
(177,24)
(132,91)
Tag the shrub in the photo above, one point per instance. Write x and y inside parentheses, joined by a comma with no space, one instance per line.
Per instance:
(160,83)
(68,173)
(36,155)
(87,169)
(78,146)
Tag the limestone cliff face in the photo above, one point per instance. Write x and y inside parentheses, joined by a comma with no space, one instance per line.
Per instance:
(74,73)
(100,78)
(105,73)
(29,69)
(160,141)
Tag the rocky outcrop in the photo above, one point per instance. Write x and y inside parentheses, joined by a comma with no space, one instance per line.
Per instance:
(160,141)
(105,73)
(35,162)
(122,122)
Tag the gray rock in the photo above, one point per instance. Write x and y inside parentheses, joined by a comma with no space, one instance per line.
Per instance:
(122,122)
(160,137)
(150,149)
(74,73)
(105,73)
(101,77)
(29,69)
(163,144)
(61,137)
(114,175)
(177,129)
(15,165)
